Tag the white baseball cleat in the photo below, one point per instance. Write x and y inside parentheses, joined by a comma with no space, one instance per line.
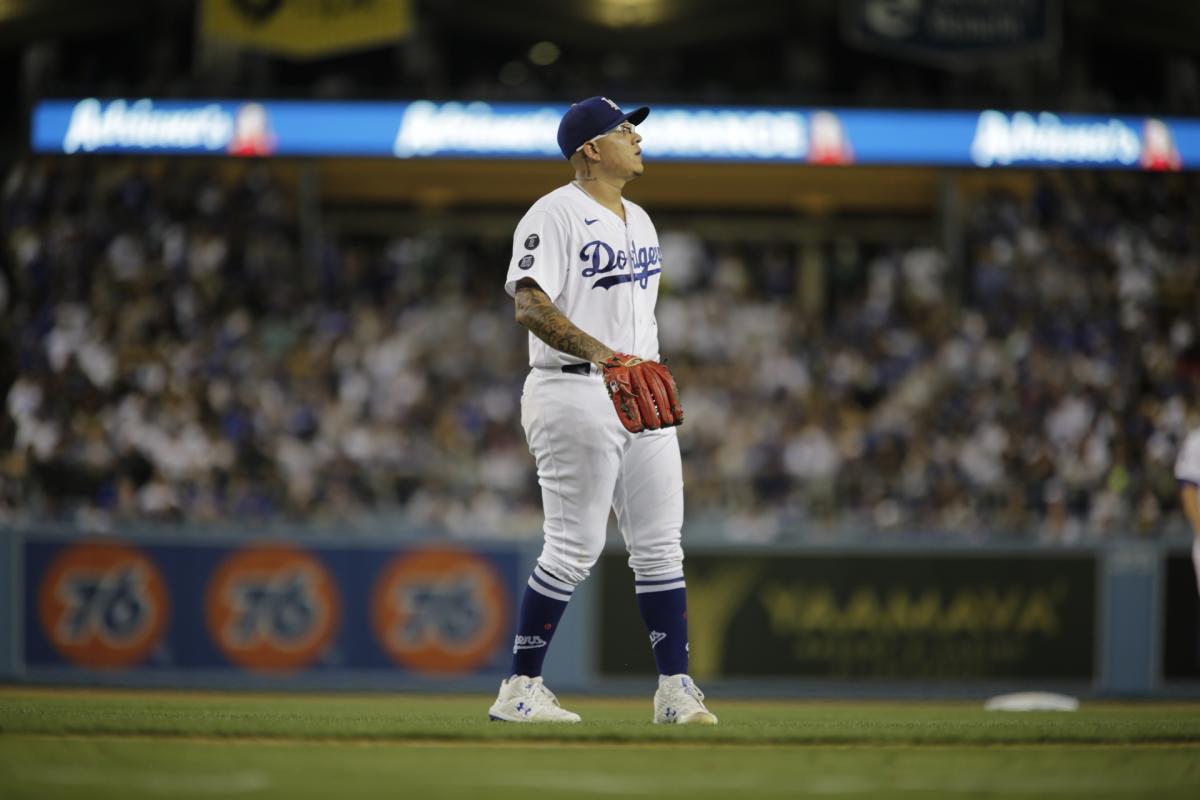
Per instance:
(679,701)
(525,699)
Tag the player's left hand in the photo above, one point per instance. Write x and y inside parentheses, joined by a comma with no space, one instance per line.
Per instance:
(643,393)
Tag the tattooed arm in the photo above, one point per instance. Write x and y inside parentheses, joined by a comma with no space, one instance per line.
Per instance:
(545,321)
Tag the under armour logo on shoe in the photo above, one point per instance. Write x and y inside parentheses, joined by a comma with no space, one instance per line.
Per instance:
(655,638)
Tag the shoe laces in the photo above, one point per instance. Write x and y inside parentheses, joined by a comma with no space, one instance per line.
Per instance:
(692,690)
(535,688)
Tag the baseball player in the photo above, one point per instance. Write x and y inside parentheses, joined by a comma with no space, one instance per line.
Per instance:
(598,410)
(1187,472)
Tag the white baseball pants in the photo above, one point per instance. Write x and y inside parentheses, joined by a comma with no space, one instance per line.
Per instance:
(587,464)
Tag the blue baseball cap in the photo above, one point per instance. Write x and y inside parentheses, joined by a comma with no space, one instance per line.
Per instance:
(592,117)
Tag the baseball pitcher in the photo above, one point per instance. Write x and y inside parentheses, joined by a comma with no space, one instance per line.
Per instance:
(599,410)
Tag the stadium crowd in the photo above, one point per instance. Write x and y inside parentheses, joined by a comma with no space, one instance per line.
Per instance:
(178,355)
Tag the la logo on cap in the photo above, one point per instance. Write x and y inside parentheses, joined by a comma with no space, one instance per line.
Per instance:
(611,103)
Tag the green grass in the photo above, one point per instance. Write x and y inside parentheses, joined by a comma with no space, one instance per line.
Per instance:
(124,744)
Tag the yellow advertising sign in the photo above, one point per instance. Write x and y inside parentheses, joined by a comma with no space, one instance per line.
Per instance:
(896,616)
(307,28)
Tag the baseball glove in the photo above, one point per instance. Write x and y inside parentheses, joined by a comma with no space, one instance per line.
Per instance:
(643,393)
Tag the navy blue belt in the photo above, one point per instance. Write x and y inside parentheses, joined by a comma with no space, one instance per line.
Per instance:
(577,369)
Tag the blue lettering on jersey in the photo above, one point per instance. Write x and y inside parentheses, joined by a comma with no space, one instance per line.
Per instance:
(603,258)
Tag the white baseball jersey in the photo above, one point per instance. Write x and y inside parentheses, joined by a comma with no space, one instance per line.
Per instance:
(1187,465)
(1187,470)
(602,272)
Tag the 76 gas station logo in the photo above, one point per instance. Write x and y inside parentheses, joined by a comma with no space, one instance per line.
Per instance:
(272,609)
(440,611)
(279,607)
(103,605)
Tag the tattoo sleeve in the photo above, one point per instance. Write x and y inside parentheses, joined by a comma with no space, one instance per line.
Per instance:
(1189,497)
(536,312)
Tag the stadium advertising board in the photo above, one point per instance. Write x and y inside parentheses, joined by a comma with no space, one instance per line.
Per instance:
(952,32)
(265,608)
(1181,619)
(424,129)
(896,617)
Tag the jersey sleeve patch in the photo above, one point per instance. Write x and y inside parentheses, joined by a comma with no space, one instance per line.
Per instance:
(539,253)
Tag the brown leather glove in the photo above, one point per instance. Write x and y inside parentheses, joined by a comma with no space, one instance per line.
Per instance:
(643,393)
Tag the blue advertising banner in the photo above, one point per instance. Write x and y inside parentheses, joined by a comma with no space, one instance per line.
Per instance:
(423,129)
(266,608)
